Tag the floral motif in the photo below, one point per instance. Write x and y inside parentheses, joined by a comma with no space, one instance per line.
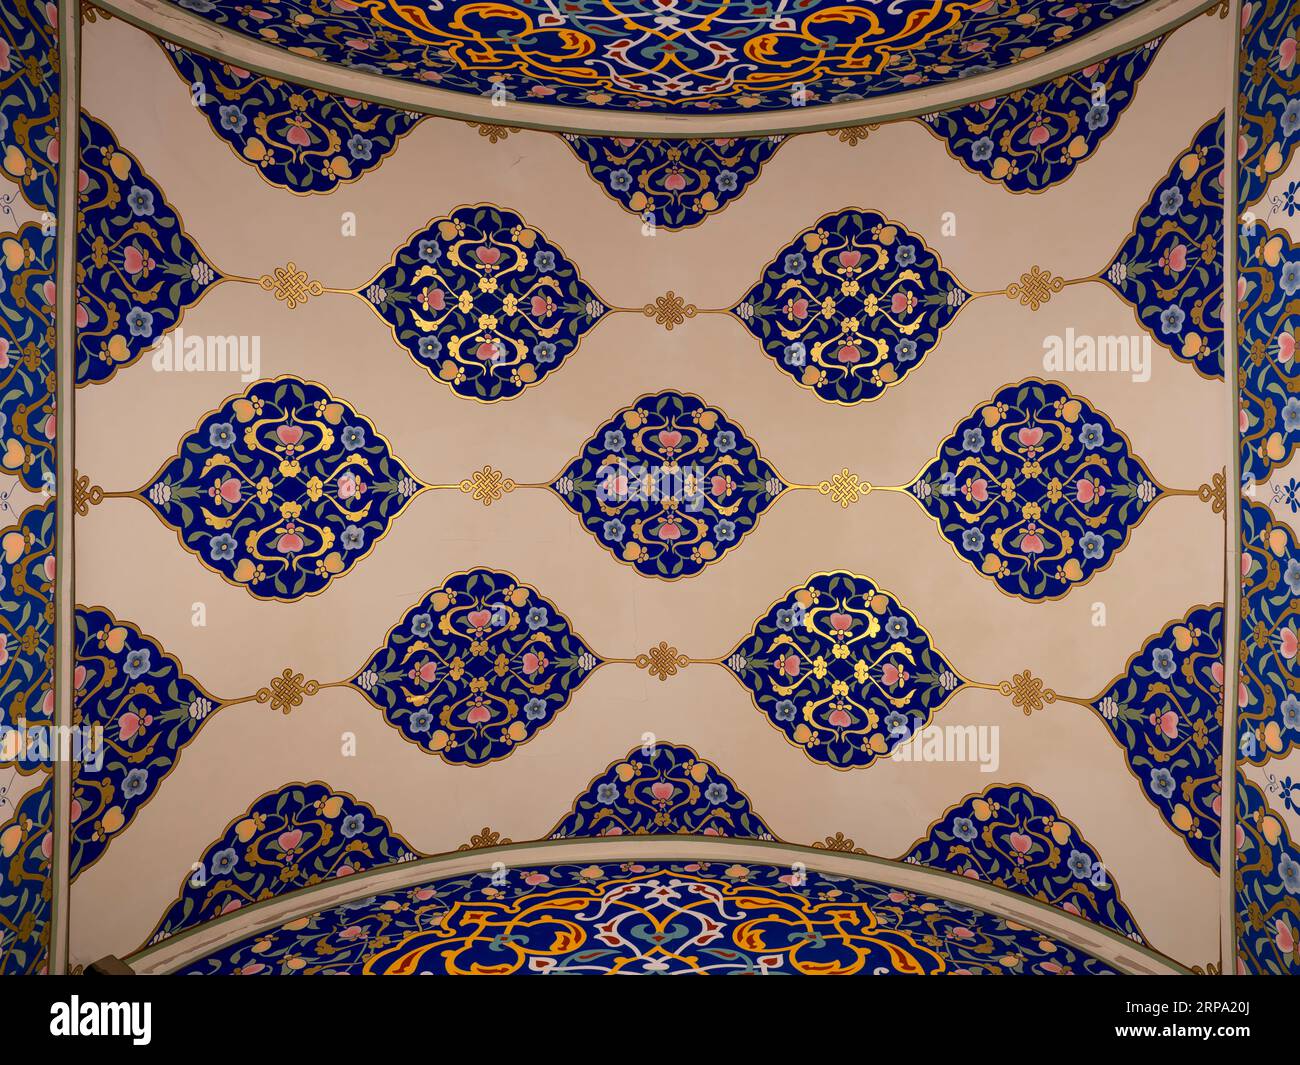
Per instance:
(1034,138)
(643,918)
(26,844)
(1268,91)
(484,302)
(27,634)
(1268,319)
(851,305)
(843,670)
(1016,839)
(672,56)
(149,710)
(674,184)
(476,668)
(29,101)
(296,837)
(282,489)
(1170,268)
(662,790)
(300,139)
(27,357)
(1166,712)
(1036,489)
(1267,883)
(669,485)
(137,268)
(1268,707)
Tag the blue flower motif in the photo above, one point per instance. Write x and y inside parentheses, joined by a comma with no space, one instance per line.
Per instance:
(1080,865)
(982,149)
(727,181)
(1292,576)
(905,349)
(221,435)
(352,538)
(222,548)
(1291,414)
(896,627)
(535,709)
(1098,116)
(725,441)
(972,440)
(140,201)
(1170,201)
(606,794)
(422,625)
(1290,280)
(231,118)
(897,724)
(1289,870)
(905,255)
(716,793)
(614,530)
(544,260)
(614,440)
(1291,117)
(135,783)
(794,263)
(1171,319)
(420,721)
(1092,435)
(224,861)
(795,353)
(352,825)
(972,540)
(785,710)
(353,437)
(1291,713)
(139,322)
(790,617)
(359,147)
(725,531)
(428,250)
(1162,661)
(1162,783)
(620,180)
(544,352)
(1093,546)
(964,829)
(137,663)
(536,618)
(430,347)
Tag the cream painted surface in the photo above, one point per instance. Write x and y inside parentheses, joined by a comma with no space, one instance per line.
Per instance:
(130,562)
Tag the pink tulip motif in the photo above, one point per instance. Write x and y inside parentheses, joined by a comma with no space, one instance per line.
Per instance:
(542,306)
(1088,490)
(669,530)
(297,133)
(1020,843)
(721,486)
(433,299)
(1285,348)
(488,256)
(849,354)
(289,436)
(534,662)
(796,308)
(288,840)
(976,490)
(225,490)
(425,673)
(1286,52)
(479,619)
(1166,724)
(850,259)
(290,541)
(1288,644)
(788,664)
(892,675)
(662,791)
(1030,437)
(1284,936)
(839,718)
(840,622)
(350,486)
(1040,134)
(135,261)
(669,439)
(675,181)
(1031,541)
(1175,259)
(903,302)
(478,714)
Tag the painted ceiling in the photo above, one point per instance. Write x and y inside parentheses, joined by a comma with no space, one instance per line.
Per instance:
(669,56)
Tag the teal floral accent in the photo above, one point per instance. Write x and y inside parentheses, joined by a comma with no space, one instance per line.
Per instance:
(674,184)
(26,844)
(1268,882)
(851,305)
(475,669)
(1170,268)
(669,485)
(297,138)
(138,270)
(1016,839)
(673,57)
(1268,706)
(149,710)
(662,790)
(296,837)
(843,670)
(709,918)
(27,633)
(1037,490)
(484,302)
(282,489)
(1268,320)
(1166,712)
(27,357)
(1268,95)
(29,100)
(1034,138)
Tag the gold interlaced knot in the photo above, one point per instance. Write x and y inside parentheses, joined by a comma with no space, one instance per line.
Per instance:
(839,842)
(487,485)
(287,691)
(492,132)
(84,494)
(485,838)
(662,661)
(1035,288)
(290,285)
(670,310)
(853,135)
(844,488)
(1215,493)
(1027,692)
